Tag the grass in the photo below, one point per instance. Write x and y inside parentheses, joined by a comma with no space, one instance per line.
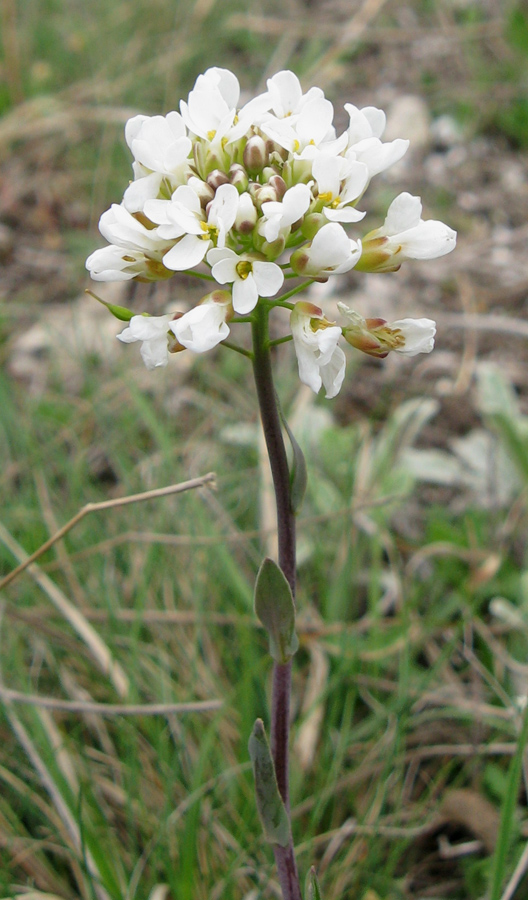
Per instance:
(413,614)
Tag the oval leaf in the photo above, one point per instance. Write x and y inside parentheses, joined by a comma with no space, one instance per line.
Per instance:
(276,610)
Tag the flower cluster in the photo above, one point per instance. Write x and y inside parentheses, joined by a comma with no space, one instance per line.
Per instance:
(250,196)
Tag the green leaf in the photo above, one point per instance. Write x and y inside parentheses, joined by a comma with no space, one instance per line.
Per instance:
(313,891)
(298,471)
(120,312)
(271,809)
(276,610)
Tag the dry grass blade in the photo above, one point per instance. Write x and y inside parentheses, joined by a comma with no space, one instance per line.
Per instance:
(109,709)
(99,507)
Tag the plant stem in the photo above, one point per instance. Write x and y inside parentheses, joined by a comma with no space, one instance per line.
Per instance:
(280,703)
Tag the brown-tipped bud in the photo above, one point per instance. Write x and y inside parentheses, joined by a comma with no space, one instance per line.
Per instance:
(275,152)
(264,194)
(203,190)
(239,177)
(216,178)
(311,225)
(279,185)
(246,217)
(255,155)
(299,261)
(274,249)
(268,172)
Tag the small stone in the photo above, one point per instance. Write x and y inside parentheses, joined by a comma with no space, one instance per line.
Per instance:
(408,117)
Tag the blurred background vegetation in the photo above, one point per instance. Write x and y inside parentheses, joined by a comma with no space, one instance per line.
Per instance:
(410,683)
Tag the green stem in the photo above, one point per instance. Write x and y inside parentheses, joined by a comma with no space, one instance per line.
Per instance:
(281,688)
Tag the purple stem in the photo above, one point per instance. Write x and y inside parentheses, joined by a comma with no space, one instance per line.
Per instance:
(280,701)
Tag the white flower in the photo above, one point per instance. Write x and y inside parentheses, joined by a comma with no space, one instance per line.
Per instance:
(321,361)
(153,332)
(304,133)
(145,187)
(211,110)
(114,263)
(160,143)
(405,235)
(183,216)
(205,326)
(378,337)
(330,253)
(281,214)
(364,132)
(119,227)
(251,278)
(340,181)
(285,94)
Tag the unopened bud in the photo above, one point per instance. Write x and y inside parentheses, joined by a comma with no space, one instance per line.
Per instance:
(255,155)
(263,194)
(299,261)
(279,185)
(246,217)
(273,249)
(276,153)
(204,191)
(239,177)
(311,225)
(216,178)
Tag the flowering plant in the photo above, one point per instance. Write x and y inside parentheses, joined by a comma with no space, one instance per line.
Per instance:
(248,197)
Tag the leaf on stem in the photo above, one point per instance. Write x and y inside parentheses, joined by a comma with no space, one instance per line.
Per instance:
(298,473)
(271,809)
(275,608)
(313,891)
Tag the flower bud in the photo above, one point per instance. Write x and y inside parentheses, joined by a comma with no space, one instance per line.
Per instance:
(255,156)
(272,250)
(279,185)
(263,193)
(276,153)
(239,177)
(311,225)
(299,261)
(246,217)
(216,178)
(203,190)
